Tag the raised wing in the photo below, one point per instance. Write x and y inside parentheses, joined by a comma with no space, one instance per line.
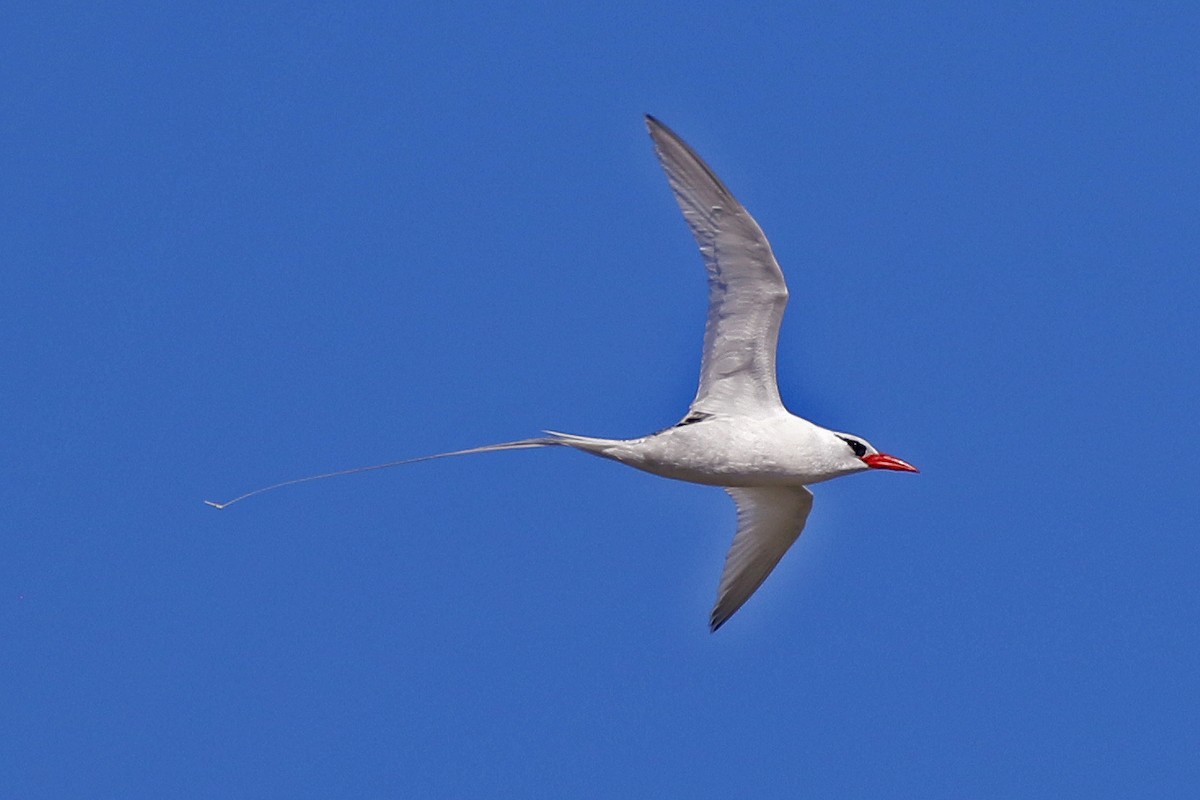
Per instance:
(746,290)
(770,518)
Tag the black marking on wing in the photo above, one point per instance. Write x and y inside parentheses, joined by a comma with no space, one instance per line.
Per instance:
(691,419)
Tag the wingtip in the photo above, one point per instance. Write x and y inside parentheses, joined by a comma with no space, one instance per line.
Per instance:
(658,128)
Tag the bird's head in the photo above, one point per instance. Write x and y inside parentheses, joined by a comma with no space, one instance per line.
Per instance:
(861,455)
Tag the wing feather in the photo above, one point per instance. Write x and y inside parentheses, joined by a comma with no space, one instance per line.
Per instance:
(746,289)
(770,519)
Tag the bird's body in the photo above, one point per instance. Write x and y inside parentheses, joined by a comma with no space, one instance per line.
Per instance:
(736,433)
(777,449)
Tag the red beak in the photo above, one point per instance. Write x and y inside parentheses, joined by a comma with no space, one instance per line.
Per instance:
(884,461)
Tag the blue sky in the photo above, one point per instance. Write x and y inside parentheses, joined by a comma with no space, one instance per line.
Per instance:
(248,244)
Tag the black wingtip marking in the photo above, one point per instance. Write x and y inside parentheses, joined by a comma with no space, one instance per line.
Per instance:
(692,419)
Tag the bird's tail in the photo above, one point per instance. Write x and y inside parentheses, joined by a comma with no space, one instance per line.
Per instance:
(588,444)
(585,443)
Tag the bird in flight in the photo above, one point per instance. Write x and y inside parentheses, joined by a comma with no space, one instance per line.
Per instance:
(736,434)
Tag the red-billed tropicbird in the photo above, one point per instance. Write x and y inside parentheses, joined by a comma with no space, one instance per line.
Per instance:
(736,433)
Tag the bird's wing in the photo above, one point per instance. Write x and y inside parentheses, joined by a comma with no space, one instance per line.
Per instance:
(746,290)
(769,518)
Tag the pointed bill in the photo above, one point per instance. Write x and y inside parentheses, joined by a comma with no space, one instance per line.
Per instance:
(885,461)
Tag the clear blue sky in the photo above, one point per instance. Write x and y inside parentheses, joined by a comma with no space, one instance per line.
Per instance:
(243,245)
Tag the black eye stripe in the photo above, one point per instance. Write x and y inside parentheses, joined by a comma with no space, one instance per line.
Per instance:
(859,448)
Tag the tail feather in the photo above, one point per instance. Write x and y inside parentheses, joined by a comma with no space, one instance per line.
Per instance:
(521,444)
(588,444)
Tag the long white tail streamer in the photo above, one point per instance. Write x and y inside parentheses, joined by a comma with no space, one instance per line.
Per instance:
(518,445)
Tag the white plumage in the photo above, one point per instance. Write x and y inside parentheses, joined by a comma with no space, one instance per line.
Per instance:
(737,433)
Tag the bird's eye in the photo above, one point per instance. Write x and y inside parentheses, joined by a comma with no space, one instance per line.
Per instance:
(859,448)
